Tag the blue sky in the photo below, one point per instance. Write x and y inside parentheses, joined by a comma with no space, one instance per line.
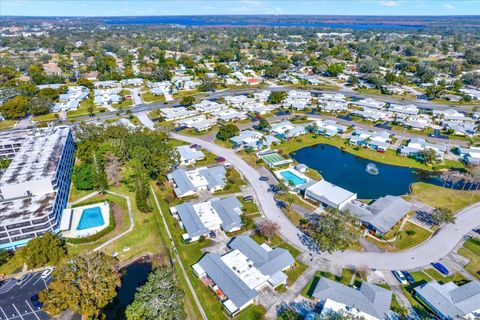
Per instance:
(206,7)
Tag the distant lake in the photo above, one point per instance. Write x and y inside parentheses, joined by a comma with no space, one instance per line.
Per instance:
(248,21)
(350,172)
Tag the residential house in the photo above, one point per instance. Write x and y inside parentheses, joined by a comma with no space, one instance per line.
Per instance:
(328,194)
(370,302)
(198,123)
(381,215)
(188,183)
(176,113)
(189,155)
(416,145)
(226,115)
(207,106)
(199,219)
(328,127)
(287,130)
(253,139)
(404,109)
(450,301)
(237,276)
(136,82)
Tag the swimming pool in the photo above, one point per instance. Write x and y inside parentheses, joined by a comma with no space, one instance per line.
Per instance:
(289,176)
(91,218)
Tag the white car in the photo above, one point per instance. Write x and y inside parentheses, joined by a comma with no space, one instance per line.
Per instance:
(400,277)
(47,272)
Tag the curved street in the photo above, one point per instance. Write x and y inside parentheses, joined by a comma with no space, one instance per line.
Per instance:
(438,246)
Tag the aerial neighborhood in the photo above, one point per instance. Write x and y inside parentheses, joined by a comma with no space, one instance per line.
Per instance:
(240,167)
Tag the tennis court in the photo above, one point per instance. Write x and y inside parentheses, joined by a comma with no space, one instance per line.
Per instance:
(274,159)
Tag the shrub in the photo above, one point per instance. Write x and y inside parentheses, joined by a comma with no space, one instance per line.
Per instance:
(411,233)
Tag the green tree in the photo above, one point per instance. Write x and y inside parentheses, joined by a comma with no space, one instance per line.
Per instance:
(187,101)
(159,298)
(263,124)
(5,256)
(46,250)
(428,156)
(272,71)
(277,97)
(442,215)
(332,231)
(15,108)
(86,83)
(84,284)
(289,314)
(222,70)
(208,85)
(83,177)
(435,91)
(39,105)
(227,131)
(335,69)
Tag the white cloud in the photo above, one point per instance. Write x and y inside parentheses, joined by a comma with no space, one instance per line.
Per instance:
(448,6)
(389,3)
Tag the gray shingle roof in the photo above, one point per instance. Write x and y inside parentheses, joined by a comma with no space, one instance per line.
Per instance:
(268,262)
(182,183)
(229,210)
(233,287)
(191,221)
(189,153)
(215,176)
(449,299)
(370,298)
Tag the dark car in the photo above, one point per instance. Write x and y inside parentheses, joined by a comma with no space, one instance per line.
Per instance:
(212,234)
(248,198)
(408,276)
(476,230)
(220,159)
(441,268)
(35,302)
(263,178)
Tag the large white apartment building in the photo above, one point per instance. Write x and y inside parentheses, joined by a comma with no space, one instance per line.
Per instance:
(34,189)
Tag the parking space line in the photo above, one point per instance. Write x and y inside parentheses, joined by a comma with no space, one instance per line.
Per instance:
(17,311)
(28,304)
(31,278)
(1,309)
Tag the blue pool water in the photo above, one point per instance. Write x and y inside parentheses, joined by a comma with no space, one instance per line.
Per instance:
(290,176)
(91,218)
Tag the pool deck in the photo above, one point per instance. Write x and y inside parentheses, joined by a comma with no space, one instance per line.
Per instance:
(292,170)
(76,214)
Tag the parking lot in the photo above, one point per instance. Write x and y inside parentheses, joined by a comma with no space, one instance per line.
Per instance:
(15,300)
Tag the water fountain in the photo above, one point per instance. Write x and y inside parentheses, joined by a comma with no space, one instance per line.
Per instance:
(372,169)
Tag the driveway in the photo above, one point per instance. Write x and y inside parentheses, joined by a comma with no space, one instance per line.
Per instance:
(434,249)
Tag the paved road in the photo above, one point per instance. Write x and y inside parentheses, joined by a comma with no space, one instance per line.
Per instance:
(434,249)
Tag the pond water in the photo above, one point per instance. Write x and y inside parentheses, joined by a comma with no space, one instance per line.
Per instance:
(357,175)
(133,276)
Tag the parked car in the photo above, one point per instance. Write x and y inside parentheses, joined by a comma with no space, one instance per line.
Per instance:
(409,277)
(212,234)
(476,230)
(400,277)
(248,198)
(24,279)
(47,272)
(441,268)
(36,302)
(220,159)
(263,178)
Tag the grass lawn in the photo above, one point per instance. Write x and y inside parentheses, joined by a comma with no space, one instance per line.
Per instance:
(144,239)
(405,241)
(295,272)
(474,265)
(5,124)
(83,109)
(125,103)
(388,157)
(148,97)
(473,245)
(436,196)
(194,133)
(250,208)
(77,194)
(252,312)
(250,158)
(234,182)
(46,117)
(457,277)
